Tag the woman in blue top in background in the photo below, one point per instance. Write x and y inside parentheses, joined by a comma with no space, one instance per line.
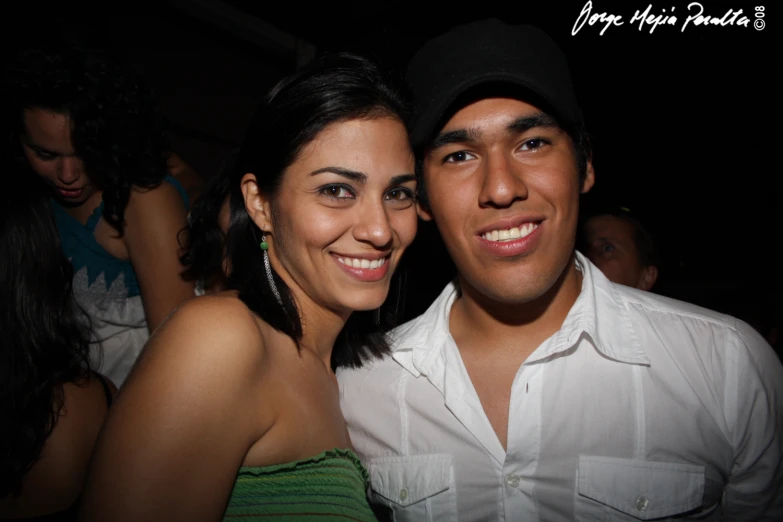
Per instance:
(85,123)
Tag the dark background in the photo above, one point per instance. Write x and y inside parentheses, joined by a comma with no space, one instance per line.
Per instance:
(685,129)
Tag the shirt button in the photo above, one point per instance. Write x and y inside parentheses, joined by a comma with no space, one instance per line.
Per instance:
(513,480)
(642,503)
(403,493)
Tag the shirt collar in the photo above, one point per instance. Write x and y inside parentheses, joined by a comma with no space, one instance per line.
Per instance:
(600,312)
(419,343)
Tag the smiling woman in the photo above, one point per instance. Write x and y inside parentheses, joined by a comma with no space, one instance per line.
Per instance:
(322,207)
(348,218)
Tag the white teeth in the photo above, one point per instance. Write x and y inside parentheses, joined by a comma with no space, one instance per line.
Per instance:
(510,234)
(362,263)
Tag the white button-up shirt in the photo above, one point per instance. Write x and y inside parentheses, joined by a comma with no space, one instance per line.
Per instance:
(639,407)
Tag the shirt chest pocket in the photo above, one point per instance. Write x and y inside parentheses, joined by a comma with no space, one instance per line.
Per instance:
(416,488)
(628,489)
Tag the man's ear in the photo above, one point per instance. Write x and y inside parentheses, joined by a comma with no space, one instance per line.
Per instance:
(256,203)
(648,278)
(423,210)
(422,205)
(589,180)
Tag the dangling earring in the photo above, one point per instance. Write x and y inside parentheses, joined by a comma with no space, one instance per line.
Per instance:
(264,247)
(378,316)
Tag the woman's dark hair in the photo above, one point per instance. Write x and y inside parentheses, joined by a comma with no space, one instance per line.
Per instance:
(44,343)
(333,88)
(204,240)
(117,128)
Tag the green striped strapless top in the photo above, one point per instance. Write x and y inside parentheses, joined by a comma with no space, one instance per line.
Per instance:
(330,486)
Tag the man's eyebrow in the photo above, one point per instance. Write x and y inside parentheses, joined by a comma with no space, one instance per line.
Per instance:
(353,175)
(533,121)
(518,126)
(455,136)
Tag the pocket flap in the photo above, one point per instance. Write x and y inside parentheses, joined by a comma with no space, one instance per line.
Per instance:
(410,479)
(640,488)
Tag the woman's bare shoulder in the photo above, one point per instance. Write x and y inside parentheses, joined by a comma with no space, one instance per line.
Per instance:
(223,315)
(212,332)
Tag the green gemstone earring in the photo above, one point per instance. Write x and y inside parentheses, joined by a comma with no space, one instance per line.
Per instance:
(264,247)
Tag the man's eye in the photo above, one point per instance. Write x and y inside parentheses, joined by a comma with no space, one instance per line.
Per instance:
(458,157)
(533,144)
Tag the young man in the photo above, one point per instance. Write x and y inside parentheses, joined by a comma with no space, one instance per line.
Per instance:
(534,388)
(617,243)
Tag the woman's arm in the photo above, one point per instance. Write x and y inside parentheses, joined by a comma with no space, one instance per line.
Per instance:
(153,221)
(56,479)
(183,422)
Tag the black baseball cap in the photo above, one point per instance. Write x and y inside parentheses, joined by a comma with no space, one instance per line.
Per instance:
(488,52)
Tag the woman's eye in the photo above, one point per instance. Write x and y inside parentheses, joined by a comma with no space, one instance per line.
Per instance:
(400,197)
(46,156)
(399,194)
(337,192)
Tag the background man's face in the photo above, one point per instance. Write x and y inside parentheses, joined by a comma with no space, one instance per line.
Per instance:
(611,247)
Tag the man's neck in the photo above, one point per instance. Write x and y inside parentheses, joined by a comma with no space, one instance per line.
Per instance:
(478,322)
